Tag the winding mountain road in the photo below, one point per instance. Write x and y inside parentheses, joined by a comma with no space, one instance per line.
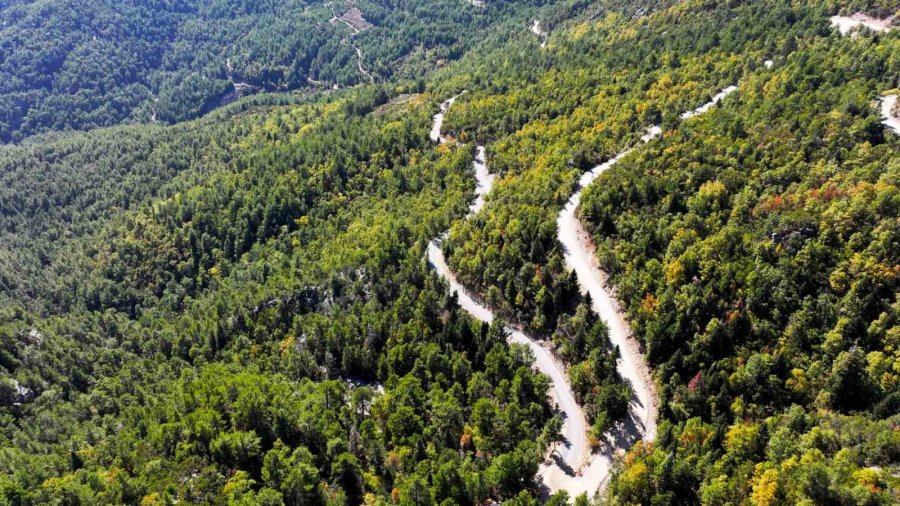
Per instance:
(576,450)
(438,123)
(573,467)
(540,32)
(846,24)
(888,102)
(362,70)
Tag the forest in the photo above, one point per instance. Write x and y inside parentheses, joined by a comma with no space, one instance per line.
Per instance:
(230,303)
(78,65)
(257,378)
(722,239)
(758,248)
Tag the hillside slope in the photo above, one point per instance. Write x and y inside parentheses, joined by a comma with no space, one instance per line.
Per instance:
(67,64)
(239,309)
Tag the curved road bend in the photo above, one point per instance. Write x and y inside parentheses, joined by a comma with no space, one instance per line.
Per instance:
(573,467)
(888,102)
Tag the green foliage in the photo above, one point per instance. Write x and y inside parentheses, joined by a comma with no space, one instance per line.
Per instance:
(753,249)
(226,379)
(237,309)
(67,64)
(751,246)
(609,78)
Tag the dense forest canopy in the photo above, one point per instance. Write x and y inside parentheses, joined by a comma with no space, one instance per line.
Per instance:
(303,306)
(76,64)
(757,249)
(232,305)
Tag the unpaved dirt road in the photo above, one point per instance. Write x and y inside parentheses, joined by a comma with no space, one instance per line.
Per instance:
(575,450)
(888,102)
(438,123)
(578,252)
(540,32)
(573,467)
(362,70)
(846,24)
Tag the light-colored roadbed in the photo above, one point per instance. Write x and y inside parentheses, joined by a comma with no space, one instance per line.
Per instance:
(846,24)
(362,70)
(889,116)
(573,467)
(578,252)
(558,473)
(540,32)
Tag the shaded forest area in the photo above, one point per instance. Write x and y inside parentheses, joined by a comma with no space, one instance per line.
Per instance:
(78,65)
